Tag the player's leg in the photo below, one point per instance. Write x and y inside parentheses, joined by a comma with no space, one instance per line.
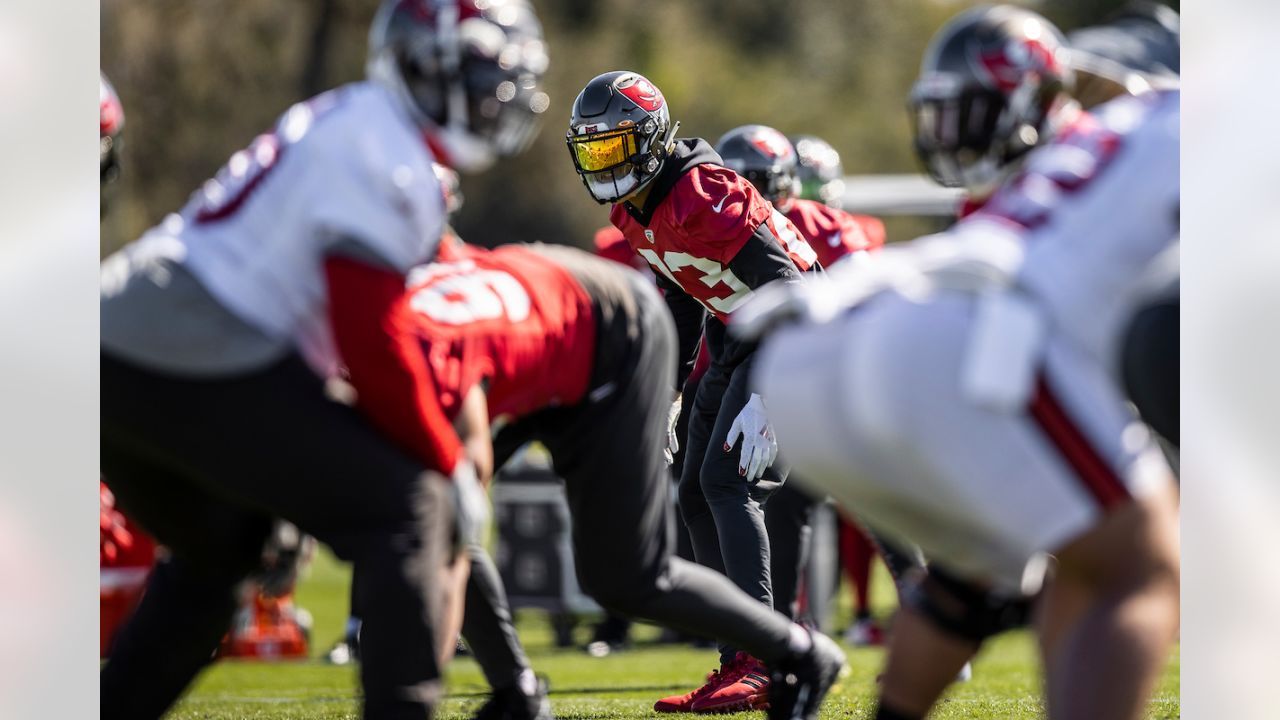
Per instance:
(491,635)
(1110,612)
(701,412)
(786,518)
(191,595)
(271,440)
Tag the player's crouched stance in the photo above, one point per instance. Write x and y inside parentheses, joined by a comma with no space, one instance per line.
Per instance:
(953,392)
(552,344)
(220,324)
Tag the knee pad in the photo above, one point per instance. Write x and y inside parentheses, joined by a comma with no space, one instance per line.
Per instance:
(964,609)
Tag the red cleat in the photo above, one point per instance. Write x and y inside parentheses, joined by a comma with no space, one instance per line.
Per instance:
(684,703)
(745,687)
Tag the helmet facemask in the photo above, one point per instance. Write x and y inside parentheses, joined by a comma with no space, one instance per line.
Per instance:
(615,164)
(473,84)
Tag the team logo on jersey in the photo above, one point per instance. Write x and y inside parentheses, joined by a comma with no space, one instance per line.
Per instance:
(772,143)
(639,91)
(648,235)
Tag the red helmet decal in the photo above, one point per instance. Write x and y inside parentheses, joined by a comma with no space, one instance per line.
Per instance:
(772,143)
(425,10)
(640,91)
(1006,66)
(110,112)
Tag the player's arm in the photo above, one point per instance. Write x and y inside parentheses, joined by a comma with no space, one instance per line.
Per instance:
(761,261)
(688,315)
(386,364)
(472,424)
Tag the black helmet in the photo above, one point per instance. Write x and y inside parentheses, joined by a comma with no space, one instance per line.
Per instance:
(991,81)
(619,134)
(764,157)
(821,174)
(468,71)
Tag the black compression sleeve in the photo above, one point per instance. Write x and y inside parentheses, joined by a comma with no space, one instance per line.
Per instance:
(763,260)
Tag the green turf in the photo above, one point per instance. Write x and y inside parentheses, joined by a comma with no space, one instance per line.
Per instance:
(624,685)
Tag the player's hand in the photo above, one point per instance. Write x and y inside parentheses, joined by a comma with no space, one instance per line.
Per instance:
(759,446)
(673,438)
(470,505)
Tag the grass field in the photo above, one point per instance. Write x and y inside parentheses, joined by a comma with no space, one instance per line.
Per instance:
(623,685)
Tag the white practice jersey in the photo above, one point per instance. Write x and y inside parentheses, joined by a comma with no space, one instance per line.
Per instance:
(347,165)
(1092,211)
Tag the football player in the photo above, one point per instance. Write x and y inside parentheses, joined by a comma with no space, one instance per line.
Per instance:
(710,238)
(979,417)
(767,159)
(995,82)
(220,325)
(551,344)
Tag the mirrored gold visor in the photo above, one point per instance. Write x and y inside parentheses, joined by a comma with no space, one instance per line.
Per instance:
(602,151)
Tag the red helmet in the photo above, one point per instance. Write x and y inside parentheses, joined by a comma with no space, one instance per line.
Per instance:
(468,71)
(991,83)
(764,157)
(110,125)
(619,134)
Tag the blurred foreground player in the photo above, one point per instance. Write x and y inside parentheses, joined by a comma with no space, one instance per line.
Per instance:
(981,419)
(710,238)
(551,344)
(220,325)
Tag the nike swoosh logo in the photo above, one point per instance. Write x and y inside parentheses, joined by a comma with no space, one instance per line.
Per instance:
(834,240)
(720,204)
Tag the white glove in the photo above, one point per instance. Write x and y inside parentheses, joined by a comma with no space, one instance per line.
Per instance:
(673,439)
(759,446)
(470,505)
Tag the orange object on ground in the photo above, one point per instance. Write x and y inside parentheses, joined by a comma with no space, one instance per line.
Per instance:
(267,629)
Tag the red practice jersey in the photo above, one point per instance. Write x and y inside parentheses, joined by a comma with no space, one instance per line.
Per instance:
(834,233)
(509,317)
(611,245)
(698,228)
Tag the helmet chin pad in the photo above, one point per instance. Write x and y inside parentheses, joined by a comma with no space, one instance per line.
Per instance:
(611,186)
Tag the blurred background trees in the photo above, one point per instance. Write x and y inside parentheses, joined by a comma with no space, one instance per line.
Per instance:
(200,79)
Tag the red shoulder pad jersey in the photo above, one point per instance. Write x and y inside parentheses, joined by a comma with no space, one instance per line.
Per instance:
(834,233)
(611,245)
(509,316)
(698,228)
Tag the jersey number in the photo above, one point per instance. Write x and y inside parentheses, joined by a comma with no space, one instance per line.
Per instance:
(713,274)
(475,296)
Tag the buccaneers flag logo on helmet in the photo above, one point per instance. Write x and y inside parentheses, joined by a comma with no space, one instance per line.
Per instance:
(640,91)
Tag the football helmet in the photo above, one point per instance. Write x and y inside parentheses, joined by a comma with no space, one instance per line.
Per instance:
(820,173)
(764,157)
(991,83)
(620,133)
(110,125)
(469,72)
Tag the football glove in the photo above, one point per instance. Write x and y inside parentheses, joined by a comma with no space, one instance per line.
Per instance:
(759,446)
(470,506)
(673,438)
